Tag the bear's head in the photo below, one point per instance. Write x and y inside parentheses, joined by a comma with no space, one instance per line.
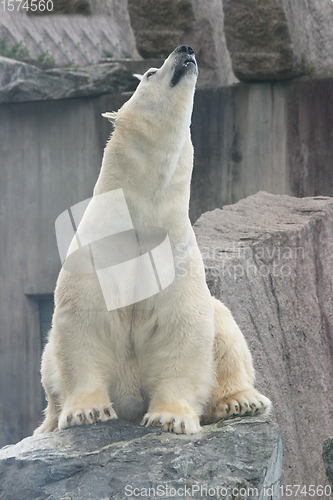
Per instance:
(151,144)
(164,96)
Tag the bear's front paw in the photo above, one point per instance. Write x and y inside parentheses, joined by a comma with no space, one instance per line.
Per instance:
(167,421)
(77,415)
(249,402)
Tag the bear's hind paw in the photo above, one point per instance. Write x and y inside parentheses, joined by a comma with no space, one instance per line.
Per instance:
(248,402)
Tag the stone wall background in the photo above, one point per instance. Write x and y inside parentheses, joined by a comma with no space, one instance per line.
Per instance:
(278,39)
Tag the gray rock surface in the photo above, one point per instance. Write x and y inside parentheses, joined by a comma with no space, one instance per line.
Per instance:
(100,460)
(286,314)
(208,40)
(277,39)
(269,258)
(328,458)
(56,40)
(21,82)
(160,26)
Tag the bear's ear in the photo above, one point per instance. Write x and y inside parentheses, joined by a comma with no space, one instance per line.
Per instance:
(139,77)
(111,117)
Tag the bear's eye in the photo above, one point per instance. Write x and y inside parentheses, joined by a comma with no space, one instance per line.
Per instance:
(150,73)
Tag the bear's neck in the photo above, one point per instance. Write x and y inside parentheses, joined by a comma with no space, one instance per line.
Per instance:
(155,178)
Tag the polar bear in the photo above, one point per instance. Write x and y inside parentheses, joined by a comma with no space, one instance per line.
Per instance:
(177,358)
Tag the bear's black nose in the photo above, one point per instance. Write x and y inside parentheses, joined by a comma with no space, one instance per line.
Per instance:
(185,48)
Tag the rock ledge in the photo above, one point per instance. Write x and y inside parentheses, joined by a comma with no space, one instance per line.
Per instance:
(109,460)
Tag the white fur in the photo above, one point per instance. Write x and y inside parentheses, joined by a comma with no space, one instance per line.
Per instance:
(177,356)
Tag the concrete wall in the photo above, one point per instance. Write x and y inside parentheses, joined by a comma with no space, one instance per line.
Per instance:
(276,137)
(50,155)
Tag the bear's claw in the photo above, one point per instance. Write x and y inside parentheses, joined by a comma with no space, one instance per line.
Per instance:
(170,423)
(90,415)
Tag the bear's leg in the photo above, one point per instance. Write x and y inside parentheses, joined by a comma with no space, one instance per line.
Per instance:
(179,373)
(50,378)
(234,394)
(51,417)
(83,372)
(72,376)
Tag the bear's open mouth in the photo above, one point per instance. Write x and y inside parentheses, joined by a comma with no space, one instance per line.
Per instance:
(188,61)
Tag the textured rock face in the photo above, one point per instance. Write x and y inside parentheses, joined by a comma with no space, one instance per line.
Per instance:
(21,82)
(328,458)
(259,40)
(277,39)
(160,26)
(269,258)
(208,40)
(56,40)
(111,460)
